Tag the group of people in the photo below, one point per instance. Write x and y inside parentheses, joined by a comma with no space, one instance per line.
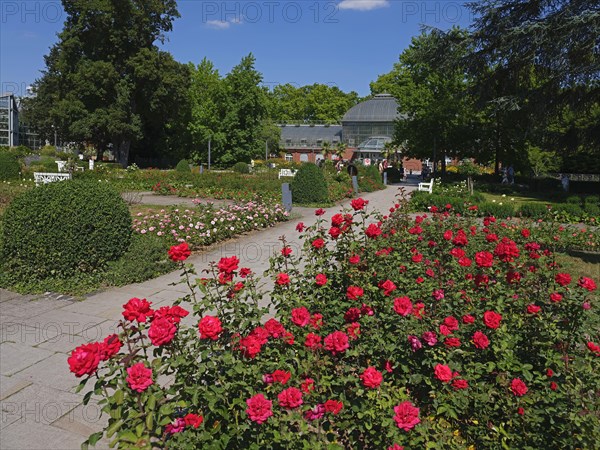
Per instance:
(508,175)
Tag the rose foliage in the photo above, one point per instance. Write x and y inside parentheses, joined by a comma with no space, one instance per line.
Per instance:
(434,332)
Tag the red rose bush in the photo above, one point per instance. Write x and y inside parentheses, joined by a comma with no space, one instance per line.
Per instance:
(438,331)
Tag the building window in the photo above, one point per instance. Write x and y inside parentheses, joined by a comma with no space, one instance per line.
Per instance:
(289,157)
(303,157)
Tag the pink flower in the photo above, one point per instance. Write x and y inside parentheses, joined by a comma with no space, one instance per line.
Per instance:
(403,306)
(337,342)
(443,373)
(371,377)
(300,316)
(518,388)
(210,328)
(259,408)
(407,416)
(290,398)
(321,280)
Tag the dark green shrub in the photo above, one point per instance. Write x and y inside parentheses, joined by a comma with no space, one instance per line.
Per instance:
(48,150)
(9,166)
(241,167)
(369,178)
(569,208)
(64,228)
(592,209)
(500,211)
(593,199)
(183,166)
(309,185)
(534,210)
(574,200)
(393,175)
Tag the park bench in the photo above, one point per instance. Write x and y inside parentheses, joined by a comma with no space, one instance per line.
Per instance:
(47,177)
(287,173)
(428,187)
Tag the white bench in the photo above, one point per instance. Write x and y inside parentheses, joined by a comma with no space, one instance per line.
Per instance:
(46,177)
(426,187)
(287,173)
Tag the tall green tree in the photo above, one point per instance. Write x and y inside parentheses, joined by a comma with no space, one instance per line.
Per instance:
(438,115)
(105,77)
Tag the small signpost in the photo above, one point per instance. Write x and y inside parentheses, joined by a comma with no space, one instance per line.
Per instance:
(355,184)
(286,197)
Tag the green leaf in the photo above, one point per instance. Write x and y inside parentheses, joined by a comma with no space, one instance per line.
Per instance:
(113,428)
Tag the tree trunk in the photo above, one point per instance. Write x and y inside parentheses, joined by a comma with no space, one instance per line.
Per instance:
(122,153)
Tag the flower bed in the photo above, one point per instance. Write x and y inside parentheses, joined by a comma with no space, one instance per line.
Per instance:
(206,224)
(390,332)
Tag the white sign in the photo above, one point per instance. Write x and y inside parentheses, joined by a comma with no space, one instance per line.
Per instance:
(367,162)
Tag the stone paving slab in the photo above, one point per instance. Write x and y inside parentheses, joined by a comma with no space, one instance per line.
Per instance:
(21,435)
(15,357)
(51,372)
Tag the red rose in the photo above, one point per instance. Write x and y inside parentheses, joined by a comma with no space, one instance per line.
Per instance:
(395,447)
(290,398)
(451,322)
(300,316)
(245,271)
(300,227)
(307,385)
(430,338)
(312,341)
(316,321)
(179,252)
(587,283)
(173,313)
(139,377)
(484,259)
(282,279)
(506,250)
(354,259)
(337,342)
(321,280)
(553,386)
(452,342)
(228,265)
(448,235)
(387,286)
(407,416)
(84,359)
(518,387)
(274,328)
(281,376)
(563,279)
(137,309)
(533,309)
(162,331)
(464,261)
(373,231)
(492,319)
(259,408)
(480,340)
(250,346)
(460,384)
(193,420)
(358,204)
(352,315)
(525,233)
(353,330)
(371,377)
(335,232)
(549,372)
(354,292)
(443,373)
(319,212)
(110,347)
(520,411)
(286,251)
(318,243)
(468,318)
(210,328)
(337,220)
(333,406)
(403,306)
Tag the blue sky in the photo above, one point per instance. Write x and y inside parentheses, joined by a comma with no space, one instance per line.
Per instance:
(346,43)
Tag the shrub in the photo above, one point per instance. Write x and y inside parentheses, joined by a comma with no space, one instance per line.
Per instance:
(309,185)
(9,167)
(533,210)
(48,150)
(569,208)
(594,199)
(574,200)
(592,209)
(43,236)
(497,210)
(241,167)
(182,166)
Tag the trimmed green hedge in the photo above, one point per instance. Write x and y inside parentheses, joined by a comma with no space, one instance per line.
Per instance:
(64,228)
(9,166)
(309,185)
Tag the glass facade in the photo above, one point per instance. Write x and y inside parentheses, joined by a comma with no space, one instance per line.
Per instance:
(9,121)
(357,132)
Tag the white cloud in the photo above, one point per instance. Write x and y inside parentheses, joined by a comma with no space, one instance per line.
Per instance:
(222,24)
(363,5)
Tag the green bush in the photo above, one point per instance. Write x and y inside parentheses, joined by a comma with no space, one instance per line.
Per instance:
(309,185)
(592,209)
(593,199)
(369,178)
(574,200)
(64,228)
(568,209)
(183,166)
(500,211)
(48,150)
(533,210)
(241,167)
(9,167)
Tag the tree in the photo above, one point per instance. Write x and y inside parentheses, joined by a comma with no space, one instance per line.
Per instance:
(542,162)
(438,114)
(96,86)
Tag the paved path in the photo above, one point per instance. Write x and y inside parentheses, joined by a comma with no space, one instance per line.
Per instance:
(150,198)
(40,409)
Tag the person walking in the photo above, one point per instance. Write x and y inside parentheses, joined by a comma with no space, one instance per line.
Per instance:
(511,174)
